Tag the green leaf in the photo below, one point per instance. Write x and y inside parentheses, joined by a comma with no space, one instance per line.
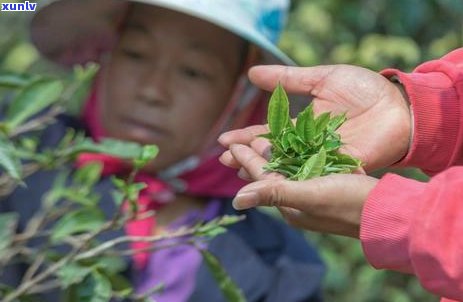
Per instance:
(8,222)
(81,81)
(110,264)
(122,288)
(57,189)
(95,288)
(336,122)
(284,142)
(278,111)
(148,153)
(216,226)
(229,289)
(117,148)
(103,289)
(230,219)
(296,143)
(72,273)
(210,231)
(13,80)
(305,124)
(33,99)
(118,197)
(29,143)
(344,159)
(331,145)
(133,190)
(88,175)
(313,167)
(119,183)
(83,220)
(266,135)
(321,122)
(9,160)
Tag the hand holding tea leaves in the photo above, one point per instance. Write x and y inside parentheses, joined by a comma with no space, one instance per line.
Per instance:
(378,126)
(308,148)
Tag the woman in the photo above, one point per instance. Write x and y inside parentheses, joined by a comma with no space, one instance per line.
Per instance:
(173,73)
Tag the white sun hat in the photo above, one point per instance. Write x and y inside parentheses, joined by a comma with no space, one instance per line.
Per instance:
(77,31)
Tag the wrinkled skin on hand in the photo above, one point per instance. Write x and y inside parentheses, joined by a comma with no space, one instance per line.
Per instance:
(378,126)
(377,131)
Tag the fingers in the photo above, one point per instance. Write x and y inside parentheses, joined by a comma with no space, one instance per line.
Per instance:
(322,193)
(242,136)
(228,160)
(297,80)
(260,145)
(268,192)
(252,162)
(330,204)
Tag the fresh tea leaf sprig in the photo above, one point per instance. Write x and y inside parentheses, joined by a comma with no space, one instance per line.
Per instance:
(309,148)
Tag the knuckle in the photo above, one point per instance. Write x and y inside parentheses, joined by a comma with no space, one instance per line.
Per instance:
(277,194)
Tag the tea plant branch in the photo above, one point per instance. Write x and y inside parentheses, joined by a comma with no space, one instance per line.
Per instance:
(25,287)
(182,232)
(32,282)
(39,122)
(150,249)
(99,250)
(147,294)
(45,287)
(33,268)
(76,254)
(8,184)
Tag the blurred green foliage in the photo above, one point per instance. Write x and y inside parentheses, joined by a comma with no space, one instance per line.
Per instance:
(372,33)
(375,34)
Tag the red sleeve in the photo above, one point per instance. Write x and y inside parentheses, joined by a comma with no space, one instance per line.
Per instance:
(435,91)
(417,228)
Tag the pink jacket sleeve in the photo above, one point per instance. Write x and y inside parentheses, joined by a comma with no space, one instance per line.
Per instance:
(417,227)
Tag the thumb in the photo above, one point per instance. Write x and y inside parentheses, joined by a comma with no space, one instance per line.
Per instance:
(330,203)
(296,80)
(271,192)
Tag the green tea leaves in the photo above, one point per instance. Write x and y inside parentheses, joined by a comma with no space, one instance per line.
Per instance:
(313,167)
(33,99)
(305,124)
(230,290)
(310,147)
(278,111)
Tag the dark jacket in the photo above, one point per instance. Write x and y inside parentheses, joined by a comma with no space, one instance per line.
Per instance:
(266,258)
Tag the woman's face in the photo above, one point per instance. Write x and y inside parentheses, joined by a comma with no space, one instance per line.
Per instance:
(168,80)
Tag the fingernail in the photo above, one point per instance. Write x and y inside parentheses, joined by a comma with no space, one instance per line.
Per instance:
(243,175)
(221,159)
(245,200)
(221,138)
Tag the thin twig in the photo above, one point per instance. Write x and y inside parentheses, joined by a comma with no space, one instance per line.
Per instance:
(141,297)
(150,249)
(9,184)
(125,239)
(39,122)
(45,287)
(33,268)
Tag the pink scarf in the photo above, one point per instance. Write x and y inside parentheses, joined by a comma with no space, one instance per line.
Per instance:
(208,179)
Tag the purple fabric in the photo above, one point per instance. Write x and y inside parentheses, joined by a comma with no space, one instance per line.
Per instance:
(175,267)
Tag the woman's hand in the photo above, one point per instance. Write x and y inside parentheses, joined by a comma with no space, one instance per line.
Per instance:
(378,126)
(331,204)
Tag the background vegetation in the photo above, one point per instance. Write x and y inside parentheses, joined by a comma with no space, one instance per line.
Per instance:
(375,34)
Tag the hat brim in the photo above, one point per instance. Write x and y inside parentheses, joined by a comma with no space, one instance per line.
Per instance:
(73,31)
